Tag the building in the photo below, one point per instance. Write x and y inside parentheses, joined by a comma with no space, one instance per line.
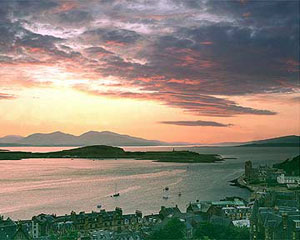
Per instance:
(199,208)
(21,234)
(236,213)
(282,179)
(276,215)
(7,228)
(10,230)
(44,225)
(169,212)
(261,174)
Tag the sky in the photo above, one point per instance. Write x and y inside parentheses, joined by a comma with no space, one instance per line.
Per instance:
(172,70)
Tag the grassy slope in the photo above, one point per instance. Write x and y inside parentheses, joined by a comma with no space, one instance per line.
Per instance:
(291,167)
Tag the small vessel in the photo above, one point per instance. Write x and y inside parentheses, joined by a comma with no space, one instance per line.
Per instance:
(179,192)
(116,194)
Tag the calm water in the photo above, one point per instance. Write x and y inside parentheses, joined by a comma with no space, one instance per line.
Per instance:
(29,187)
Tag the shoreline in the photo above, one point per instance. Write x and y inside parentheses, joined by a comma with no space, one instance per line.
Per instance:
(99,152)
(240,182)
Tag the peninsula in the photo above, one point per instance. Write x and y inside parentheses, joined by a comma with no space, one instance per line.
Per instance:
(108,152)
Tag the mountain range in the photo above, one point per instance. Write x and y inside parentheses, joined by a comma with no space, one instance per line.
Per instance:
(85,139)
(115,139)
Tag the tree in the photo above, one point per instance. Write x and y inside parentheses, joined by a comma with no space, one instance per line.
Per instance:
(221,232)
(174,229)
(70,235)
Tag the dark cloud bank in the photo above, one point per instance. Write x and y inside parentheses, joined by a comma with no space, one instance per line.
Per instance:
(187,54)
(196,123)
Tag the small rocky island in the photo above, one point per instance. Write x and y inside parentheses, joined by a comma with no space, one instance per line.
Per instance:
(108,152)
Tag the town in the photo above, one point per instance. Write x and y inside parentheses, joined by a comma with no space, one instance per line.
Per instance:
(272,212)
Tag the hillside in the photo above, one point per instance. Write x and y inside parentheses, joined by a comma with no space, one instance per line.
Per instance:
(286,141)
(291,167)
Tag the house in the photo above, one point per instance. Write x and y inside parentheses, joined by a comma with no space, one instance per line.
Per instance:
(150,220)
(282,179)
(7,228)
(276,216)
(236,213)
(228,207)
(168,212)
(21,234)
(199,208)
(42,225)
(276,224)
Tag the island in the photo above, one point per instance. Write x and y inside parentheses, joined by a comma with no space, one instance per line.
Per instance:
(108,152)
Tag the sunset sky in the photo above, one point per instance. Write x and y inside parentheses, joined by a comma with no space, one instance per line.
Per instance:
(173,70)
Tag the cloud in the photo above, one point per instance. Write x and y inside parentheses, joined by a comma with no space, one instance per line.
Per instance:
(4,96)
(196,123)
(192,55)
(74,17)
(194,104)
(110,37)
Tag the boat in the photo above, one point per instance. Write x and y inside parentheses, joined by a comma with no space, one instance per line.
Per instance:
(179,192)
(116,194)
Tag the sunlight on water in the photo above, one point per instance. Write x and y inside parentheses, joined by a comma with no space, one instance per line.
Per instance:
(29,187)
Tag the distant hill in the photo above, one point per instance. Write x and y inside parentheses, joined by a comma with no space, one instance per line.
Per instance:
(10,139)
(286,141)
(88,138)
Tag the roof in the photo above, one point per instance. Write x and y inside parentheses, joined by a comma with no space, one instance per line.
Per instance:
(226,203)
(202,206)
(20,231)
(170,211)
(7,229)
(43,218)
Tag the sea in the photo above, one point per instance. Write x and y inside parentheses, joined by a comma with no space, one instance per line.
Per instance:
(58,186)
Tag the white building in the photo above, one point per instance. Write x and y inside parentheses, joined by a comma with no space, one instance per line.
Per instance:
(282,179)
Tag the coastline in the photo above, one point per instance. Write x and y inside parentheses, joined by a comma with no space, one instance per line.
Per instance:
(240,182)
(100,152)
